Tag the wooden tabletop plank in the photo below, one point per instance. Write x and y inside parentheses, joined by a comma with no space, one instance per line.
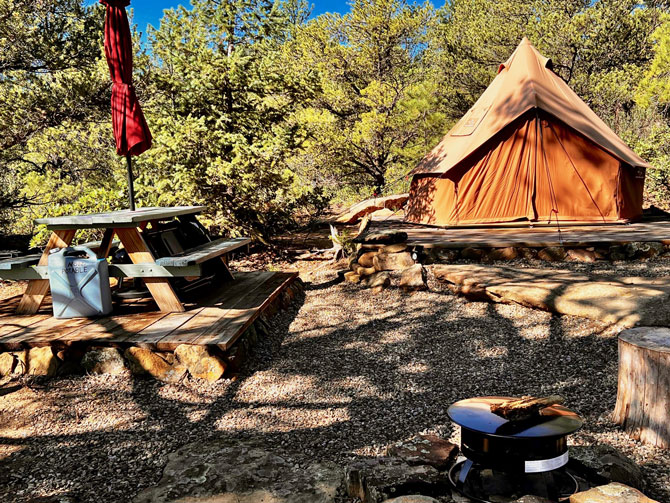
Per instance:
(118,218)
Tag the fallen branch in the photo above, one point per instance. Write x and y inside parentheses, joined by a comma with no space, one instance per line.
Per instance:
(358,210)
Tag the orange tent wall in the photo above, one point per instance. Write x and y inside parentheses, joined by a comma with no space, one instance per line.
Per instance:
(541,171)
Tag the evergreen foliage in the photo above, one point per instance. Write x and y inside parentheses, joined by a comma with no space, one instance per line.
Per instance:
(262,112)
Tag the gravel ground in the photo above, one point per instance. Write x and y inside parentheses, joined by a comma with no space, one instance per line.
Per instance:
(343,375)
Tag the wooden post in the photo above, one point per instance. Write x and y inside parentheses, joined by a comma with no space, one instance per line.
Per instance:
(38,288)
(160,288)
(229,273)
(106,243)
(131,183)
(643,397)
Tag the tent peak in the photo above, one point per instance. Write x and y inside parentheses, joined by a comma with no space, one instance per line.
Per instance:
(526,52)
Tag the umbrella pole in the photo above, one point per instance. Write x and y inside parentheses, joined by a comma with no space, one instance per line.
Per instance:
(131,187)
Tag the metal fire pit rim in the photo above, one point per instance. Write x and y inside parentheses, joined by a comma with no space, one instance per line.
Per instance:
(572,415)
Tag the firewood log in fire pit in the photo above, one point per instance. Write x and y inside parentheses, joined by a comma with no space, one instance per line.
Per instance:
(525,407)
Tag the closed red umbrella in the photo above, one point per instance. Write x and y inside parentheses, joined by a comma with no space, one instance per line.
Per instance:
(131,132)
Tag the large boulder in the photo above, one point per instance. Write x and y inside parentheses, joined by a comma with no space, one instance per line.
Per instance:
(144,361)
(611,493)
(377,479)
(392,261)
(602,464)
(653,249)
(508,253)
(552,254)
(617,253)
(413,278)
(581,255)
(643,249)
(527,253)
(394,248)
(426,450)
(440,255)
(7,364)
(628,301)
(365,271)
(237,355)
(236,470)
(352,277)
(378,281)
(470,253)
(365,260)
(103,361)
(42,362)
(200,363)
(368,206)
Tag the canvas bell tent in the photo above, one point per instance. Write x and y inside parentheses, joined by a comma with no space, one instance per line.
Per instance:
(528,150)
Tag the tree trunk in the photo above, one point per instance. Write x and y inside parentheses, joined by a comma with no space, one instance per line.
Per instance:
(643,398)
(380,181)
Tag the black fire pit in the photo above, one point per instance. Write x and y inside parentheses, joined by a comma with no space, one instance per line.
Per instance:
(510,459)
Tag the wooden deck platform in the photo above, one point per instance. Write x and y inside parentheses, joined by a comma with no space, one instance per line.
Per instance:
(525,236)
(217,319)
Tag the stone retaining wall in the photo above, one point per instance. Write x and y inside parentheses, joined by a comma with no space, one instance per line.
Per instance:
(641,250)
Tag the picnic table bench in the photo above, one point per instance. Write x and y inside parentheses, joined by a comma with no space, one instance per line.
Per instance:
(184,264)
(204,252)
(128,227)
(14,263)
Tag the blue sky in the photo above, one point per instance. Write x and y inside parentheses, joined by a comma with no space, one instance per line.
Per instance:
(150,11)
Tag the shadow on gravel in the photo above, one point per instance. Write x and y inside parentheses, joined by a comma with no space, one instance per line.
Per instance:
(312,287)
(347,373)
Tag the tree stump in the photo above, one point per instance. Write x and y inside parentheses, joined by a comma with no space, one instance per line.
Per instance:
(643,397)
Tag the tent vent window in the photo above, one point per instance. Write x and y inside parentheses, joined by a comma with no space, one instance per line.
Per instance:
(470,121)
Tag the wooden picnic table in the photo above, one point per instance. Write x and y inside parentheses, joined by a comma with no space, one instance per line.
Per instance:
(128,226)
